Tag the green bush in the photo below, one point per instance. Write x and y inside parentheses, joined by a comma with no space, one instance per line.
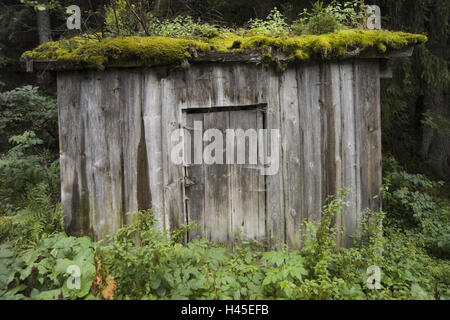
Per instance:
(274,25)
(22,168)
(331,18)
(29,167)
(39,219)
(415,206)
(42,272)
(322,20)
(25,109)
(120,21)
(184,27)
(150,264)
(28,147)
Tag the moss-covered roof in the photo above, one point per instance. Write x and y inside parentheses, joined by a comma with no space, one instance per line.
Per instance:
(87,53)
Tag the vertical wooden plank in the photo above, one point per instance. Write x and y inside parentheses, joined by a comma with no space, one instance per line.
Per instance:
(245,186)
(368,119)
(261,182)
(305,139)
(95,160)
(74,192)
(373,125)
(315,166)
(152,117)
(245,84)
(199,86)
(195,193)
(221,82)
(67,146)
(349,149)
(172,173)
(110,106)
(332,136)
(360,87)
(327,130)
(310,124)
(292,154)
(333,104)
(131,110)
(217,186)
(360,138)
(274,184)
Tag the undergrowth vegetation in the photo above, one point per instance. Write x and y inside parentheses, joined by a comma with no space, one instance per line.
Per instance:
(409,242)
(142,262)
(29,167)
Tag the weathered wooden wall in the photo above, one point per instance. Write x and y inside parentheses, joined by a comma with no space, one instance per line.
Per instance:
(115,129)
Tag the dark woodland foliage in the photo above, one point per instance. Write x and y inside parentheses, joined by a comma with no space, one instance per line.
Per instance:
(410,241)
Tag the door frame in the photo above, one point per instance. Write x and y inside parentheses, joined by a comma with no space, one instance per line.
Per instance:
(260,107)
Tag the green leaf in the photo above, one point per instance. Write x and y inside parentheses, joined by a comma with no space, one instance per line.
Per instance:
(49,295)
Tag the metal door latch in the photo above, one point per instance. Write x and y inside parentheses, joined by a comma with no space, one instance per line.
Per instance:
(189,181)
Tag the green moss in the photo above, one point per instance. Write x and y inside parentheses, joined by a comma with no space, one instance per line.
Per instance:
(150,51)
(336,45)
(266,57)
(224,42)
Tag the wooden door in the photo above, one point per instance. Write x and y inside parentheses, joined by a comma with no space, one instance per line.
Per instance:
(225,199)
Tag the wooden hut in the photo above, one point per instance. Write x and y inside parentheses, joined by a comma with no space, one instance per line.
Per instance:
(117,124)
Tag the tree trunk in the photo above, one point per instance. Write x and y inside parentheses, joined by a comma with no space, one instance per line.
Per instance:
(43,24)
(45,79)
(435,146)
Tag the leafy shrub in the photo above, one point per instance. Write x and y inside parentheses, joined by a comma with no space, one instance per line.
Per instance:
(39,219)
(409,273)
(321,20)
(8,268)
(331,18)
(350,14)
(274,25)
(184,27)
(29,169)
(121,21)
(284,271)
(23,167)
(25,109)
(150,264)
(42,272)
(437,122)
(413,203)
(318,250)
(28,147)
